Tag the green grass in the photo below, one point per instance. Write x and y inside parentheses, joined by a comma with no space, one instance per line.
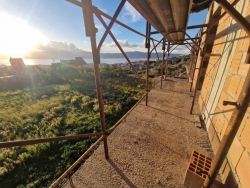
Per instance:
(59,102)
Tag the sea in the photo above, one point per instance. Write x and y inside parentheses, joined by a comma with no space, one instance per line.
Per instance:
(50,61)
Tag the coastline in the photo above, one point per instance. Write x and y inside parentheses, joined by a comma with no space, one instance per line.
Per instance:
(50,61)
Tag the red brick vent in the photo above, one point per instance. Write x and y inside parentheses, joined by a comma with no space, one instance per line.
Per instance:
(197,171)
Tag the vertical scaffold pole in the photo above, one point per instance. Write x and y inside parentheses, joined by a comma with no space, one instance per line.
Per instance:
(163,55)
(167,59)
(202,58)
(147,45)
(242,103)
(91,32)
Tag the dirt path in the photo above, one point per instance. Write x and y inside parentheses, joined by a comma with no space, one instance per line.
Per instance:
(152,147)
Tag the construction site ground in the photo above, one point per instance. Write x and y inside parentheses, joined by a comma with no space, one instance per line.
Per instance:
(152,146)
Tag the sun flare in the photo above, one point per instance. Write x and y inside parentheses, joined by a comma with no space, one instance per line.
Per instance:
(16,36)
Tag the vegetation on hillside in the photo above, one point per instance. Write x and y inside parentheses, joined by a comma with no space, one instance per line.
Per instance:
(58,101)
(176,69)
(55,102)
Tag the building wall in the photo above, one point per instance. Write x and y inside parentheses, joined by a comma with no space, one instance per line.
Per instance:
(223,80)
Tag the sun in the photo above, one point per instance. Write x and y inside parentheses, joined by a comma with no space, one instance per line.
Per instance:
(16,36)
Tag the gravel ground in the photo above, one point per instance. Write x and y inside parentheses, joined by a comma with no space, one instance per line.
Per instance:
(151,147)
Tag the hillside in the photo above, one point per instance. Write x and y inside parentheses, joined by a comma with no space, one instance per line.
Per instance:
(56,102)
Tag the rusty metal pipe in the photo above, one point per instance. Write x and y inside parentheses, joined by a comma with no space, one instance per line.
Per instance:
(117,12)
(43,140)
(222,15)
(243,103)
(166,67)
(190,68)
(72,167)
(195,58)
(196,44)
(192,47)
(96,60)
(195,38)
(197,26)
(163,55)
(122,24)
(148,57)
(194,62)
(120,48)
(232,128)
(155,50)
(243,23)
(202,57)
(162,65)
(174,48)
(156,45)
(97,11)
(187,47)
(164,38)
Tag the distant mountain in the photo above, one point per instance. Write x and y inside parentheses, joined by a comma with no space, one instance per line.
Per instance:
(56,54)
(87,55)
(134,55)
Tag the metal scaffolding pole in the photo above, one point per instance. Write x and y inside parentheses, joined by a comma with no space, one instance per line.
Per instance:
(120,48)
(187,47)
(91,32)
(174,48)
(202,58)
(44,140)
(195,59)
(155,50)
(241,105)
(147,45)
(231,131)
(222,15)
(118,10)
(163,55)
(243,23)
(156,46)
(167,59)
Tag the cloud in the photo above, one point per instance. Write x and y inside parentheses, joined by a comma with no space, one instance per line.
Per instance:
(123,43)
(142,45)
(103,10)
(99,26)
(58,46)
(108,47)
(132,13)
(181,50)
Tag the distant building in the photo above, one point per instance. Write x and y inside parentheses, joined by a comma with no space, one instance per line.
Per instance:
(74,62)
(17,65)
(77,63)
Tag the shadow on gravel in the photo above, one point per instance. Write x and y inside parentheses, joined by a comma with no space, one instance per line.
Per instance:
(182,92)
(123,176)
(171,114)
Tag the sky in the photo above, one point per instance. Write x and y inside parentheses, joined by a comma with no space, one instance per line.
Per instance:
(28,25)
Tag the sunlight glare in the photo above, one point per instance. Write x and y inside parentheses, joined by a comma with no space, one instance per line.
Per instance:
(16,36)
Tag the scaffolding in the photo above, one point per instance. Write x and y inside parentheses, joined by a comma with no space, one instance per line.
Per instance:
(170,41)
